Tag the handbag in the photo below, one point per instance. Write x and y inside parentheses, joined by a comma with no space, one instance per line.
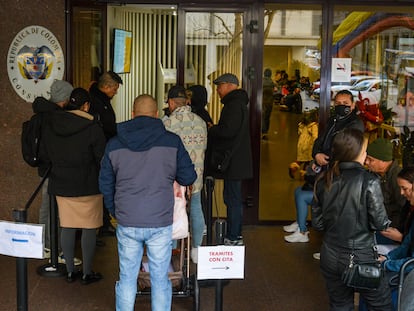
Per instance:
(180,218)
(362,275)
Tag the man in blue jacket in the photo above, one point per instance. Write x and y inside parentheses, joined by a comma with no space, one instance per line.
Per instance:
(137,173)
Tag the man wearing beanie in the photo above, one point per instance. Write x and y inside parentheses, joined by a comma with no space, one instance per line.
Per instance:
(59,97)
(380,161)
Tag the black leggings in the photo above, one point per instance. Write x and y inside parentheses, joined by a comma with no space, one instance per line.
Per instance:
(88,243)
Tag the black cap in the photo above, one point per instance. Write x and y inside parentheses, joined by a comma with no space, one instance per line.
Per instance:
(227,78)
(176,91)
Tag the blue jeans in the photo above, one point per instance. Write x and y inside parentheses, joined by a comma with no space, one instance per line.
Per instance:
(233,199)
(196,220)
(303,198)
(131,242)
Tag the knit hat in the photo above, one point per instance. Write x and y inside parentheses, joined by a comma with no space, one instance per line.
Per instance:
(227,78)
(60,91)
(380,149)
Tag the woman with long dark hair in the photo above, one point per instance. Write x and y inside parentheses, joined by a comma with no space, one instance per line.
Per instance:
(349,208)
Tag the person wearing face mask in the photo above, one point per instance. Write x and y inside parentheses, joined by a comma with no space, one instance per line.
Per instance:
(345,117)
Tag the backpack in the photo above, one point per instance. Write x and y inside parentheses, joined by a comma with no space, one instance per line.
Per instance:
(31,137)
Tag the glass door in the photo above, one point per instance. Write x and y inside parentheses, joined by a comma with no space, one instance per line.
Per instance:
(87,53)
(213,46)
(292,62)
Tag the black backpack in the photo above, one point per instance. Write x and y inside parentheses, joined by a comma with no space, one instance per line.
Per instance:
(31,137)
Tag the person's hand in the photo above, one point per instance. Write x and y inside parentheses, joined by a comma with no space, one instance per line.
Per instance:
(177,190)
(382,258)
(322,159)
(189,192)
(393,234)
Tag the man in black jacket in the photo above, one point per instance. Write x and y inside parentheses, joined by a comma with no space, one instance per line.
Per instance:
(101,93)
(232,134)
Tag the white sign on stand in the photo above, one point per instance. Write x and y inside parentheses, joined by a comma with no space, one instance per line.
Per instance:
(220,262)
(21,240)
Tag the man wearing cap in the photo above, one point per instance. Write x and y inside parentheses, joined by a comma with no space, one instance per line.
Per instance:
(193,132)
(101,93)
(232,136)
(380,161)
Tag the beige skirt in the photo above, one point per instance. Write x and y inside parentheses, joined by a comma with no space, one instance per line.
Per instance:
(80,212)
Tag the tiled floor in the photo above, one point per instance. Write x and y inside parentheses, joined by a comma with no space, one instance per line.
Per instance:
(278,275)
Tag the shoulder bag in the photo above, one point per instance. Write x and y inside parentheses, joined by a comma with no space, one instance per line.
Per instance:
(363,274)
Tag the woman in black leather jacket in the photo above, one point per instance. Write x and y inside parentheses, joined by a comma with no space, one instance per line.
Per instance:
(349,208)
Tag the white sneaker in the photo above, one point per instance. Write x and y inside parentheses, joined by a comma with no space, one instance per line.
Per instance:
(317,256)
(46,253)
(194,254)
(297,237)
(293,227)
(61,259)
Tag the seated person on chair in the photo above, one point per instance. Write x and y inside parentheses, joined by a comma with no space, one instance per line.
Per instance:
(380,161)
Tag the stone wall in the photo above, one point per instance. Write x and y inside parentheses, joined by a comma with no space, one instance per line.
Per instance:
(17,179)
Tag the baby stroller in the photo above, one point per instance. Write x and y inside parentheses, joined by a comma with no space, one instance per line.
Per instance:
(183,284)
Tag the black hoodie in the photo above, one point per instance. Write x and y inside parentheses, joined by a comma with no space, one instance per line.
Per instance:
(199,101)
(43,106)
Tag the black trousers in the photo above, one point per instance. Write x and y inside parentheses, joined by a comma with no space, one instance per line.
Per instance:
(341,297)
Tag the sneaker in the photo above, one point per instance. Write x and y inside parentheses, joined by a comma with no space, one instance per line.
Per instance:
(317,256)
(194,254)
(293,227)
(298,237)
(238,242)
(76,261)
(46,253)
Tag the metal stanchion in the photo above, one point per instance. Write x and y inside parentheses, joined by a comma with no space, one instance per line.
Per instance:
(220,228)
(220,234)
(54,268)
(21,268)
(21,263)
(209,211)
